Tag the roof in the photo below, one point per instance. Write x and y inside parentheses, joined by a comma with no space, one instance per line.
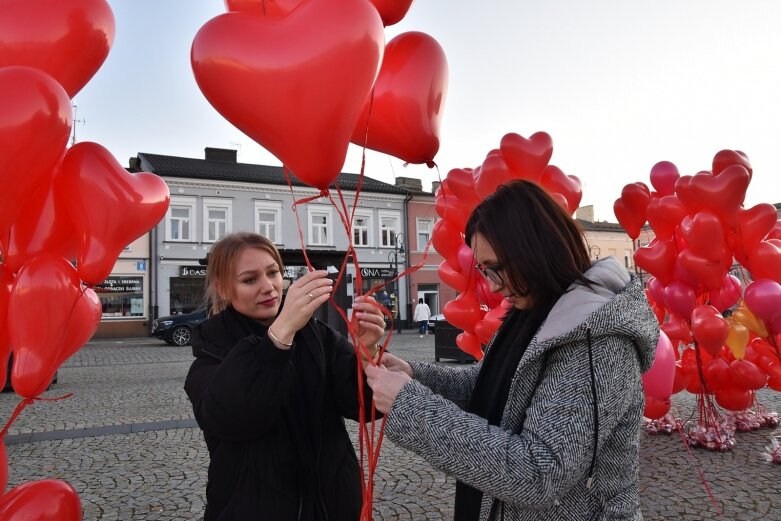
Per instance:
(600,226)
(191,168)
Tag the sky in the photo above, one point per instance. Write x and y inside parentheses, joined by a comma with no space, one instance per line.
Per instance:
(618,84)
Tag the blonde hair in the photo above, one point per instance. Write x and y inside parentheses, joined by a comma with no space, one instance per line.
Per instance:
(222,265)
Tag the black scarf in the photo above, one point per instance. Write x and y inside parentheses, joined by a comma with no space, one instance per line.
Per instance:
(493,388)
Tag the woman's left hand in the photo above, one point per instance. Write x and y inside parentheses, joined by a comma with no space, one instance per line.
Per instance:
(385,385)
(369,322)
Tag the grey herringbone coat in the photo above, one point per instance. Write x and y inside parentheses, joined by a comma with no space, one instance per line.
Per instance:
(535,464)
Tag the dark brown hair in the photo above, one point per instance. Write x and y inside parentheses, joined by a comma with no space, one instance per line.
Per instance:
(222,265)
(541,247)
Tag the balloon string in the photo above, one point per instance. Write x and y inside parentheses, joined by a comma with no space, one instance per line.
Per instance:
(23,403)
(679,428)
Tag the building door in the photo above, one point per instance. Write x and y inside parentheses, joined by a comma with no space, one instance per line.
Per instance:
(430,295)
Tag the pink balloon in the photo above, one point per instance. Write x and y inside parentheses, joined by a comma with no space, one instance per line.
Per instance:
(728,295)
(664,174)
(466,259)
(763,298)
(680,298)
(658,381)
(656,288)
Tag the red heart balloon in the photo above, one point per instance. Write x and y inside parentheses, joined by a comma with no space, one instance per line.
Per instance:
(6,282)
(630,208)
(271,8)
(402,117)
(100,195)
(775,232)
(493,173)
(296,83)
(464,312)
(704,234)
(664,174)
(699,271)
(658,259)
(709,328)
(727,158)
(527,157)
(450,208)
(470,344)
(35,123)
(678,330)
(680,299)
(44,500)
(446,239)
(47,286)
(717,374)
(746,375)
(557,182)
(461,183)
(451,277)
(43,225)
(664,215)
(734,399)
(765,261)
(392,11)
(754,224)
(68,40)
(655,408)
(722,194)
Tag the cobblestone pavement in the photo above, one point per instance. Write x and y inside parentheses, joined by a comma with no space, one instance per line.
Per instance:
(127,442)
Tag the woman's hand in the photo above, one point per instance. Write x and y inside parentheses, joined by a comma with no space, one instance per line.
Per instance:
(395,364)
(385,385)
(369,322)
(303,297)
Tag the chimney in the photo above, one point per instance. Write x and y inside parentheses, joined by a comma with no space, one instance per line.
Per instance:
(435,186)
(134,165)
(585,213)
(410,183)
(220,154)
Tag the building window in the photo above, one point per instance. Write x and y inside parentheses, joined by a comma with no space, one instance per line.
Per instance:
(320,226)
(424,232)
(268,217)
(217,219)
(121,296)
(180,219)
(362,229)
(389,228)
(627,258)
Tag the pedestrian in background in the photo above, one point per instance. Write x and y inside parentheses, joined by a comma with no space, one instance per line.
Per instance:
(551,419)
(421,316)
(270,387)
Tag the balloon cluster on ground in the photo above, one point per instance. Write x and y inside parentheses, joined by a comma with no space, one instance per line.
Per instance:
(65,214)
(715,288)
(476,310)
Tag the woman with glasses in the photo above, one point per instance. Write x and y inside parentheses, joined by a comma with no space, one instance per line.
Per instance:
(546,427)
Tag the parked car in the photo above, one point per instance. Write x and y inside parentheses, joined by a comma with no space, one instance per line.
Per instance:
(432,322)
(178,329)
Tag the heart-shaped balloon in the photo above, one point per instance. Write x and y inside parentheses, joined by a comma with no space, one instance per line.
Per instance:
(35,123)
(470,344)
(569,186)
(717,374)
(527,157)
(704,234)
(392,11)
(765,261)
(665,215)
(451,277)
(493,173)
(68,40)
(763,298)
(664,174)
(630,208)
(270,8)
(680,298)
(449,207)
(43,225)
(746,375)
(446,238)
(754,224)
(403,115)
(44,500)
(699,271)
(47,286)
(727,158)
(727,295)
(722,194)
(677,329)
(100,195)
(296,83)
(709,328)
(464,312)
(734,399)
(461,183)
(655,408)
(658,259)
(6,282)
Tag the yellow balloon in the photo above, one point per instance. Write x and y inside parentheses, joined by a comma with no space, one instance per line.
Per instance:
(744,316)
(737,339)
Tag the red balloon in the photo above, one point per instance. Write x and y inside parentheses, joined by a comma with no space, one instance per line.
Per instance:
(6,282)
(722,194)
(677,329)
(35,123)
(664,215)
(446,239)
(296,83)
(453,278)
(461,184)
(765,261)
(754,224)
(493,173)
(664,174)
(681,379)
(746,375)
(527,157)
(47,286)
(469,343)
(680,298)
(704,234)
(717,375)
(727,295)
(696,270)
(726,158)
(44,500)
(392,11)
(68,40)
(658,259)
(449,207)
(655,408)
(709,328)
(464,312)
(630,208)
(557,182)
(405,111)
(43,225)
(270,8)
(100,195)
(734,399)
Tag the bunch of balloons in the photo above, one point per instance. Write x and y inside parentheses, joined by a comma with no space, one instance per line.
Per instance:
(58,207)
(726,337)
(304,78)
(476,310)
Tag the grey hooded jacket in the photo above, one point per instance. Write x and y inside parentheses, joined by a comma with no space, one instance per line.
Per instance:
(535,465)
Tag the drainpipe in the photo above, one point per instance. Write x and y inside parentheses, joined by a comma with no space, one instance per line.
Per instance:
(405,213)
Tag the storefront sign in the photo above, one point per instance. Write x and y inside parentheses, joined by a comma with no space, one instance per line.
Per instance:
(120,285)
(192,271)
(378,273)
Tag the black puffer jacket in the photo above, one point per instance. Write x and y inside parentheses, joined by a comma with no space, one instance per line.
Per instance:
(273,421)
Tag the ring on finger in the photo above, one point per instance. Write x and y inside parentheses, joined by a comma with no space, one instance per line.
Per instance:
(311,297)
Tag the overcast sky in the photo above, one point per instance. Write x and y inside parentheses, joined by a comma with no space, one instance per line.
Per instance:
(619,85)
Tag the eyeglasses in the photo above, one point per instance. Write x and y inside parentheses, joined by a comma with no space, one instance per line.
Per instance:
(492,273)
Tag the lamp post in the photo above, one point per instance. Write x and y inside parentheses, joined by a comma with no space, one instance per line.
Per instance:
(393,258)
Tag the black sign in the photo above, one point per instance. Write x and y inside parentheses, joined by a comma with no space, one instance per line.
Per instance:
(192,271)
(120,285)
(378,273)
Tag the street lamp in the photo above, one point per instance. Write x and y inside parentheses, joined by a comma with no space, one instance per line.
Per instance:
(393,258)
